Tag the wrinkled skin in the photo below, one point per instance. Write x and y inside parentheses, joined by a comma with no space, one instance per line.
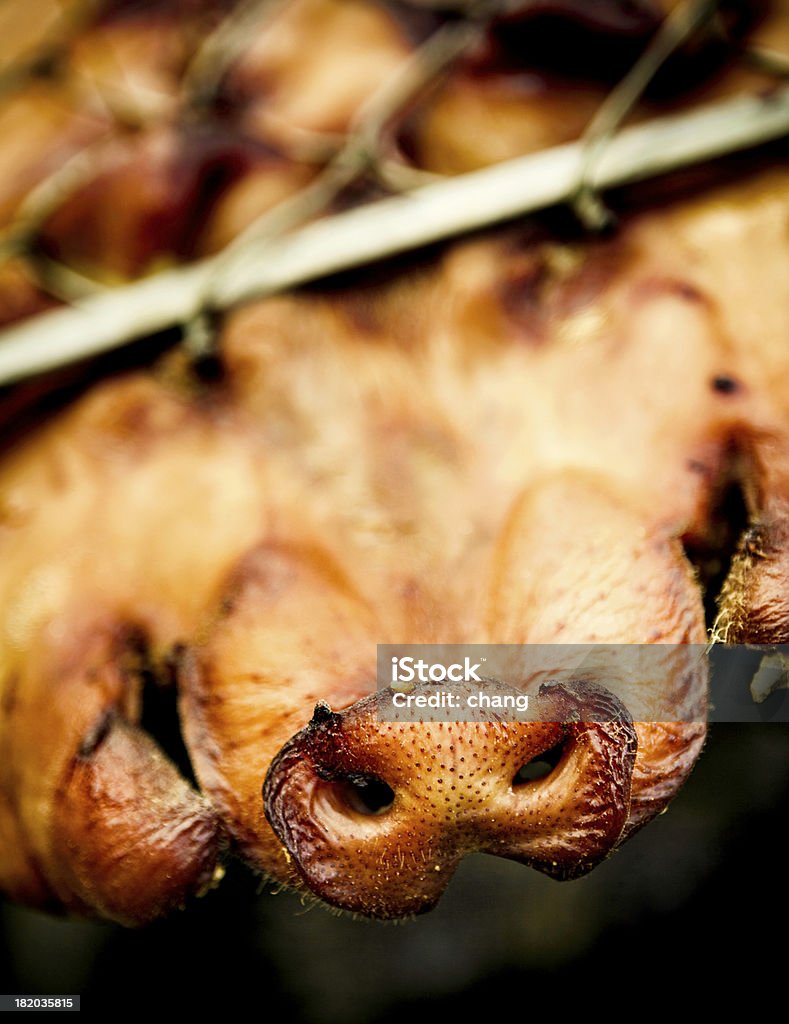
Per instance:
(508,443)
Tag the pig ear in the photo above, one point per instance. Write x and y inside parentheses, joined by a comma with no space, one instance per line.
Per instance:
(754,601)
(131,837)
(100,821)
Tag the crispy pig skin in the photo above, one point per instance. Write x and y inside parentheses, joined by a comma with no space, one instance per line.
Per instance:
(506,440)
(470,451)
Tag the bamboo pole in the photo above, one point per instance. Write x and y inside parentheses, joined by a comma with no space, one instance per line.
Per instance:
(384,228)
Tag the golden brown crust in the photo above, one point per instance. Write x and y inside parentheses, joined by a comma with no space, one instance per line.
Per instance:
(570,534)
(507,442)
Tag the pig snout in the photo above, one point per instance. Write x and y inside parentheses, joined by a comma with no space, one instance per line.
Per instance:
(376,814)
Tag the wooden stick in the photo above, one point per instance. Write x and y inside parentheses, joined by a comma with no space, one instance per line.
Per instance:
(679,25)
(384,228)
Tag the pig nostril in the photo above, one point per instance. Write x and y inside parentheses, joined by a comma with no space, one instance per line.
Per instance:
(540,766)
(365,794)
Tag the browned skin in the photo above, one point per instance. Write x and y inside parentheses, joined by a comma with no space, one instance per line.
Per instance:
(126,822)
(506,446)
(453,794)
(754,605)
(425,460)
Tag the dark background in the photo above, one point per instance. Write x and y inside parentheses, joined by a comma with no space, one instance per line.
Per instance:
(689,900)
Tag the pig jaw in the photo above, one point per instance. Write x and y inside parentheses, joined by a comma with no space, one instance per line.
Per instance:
(377,815)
